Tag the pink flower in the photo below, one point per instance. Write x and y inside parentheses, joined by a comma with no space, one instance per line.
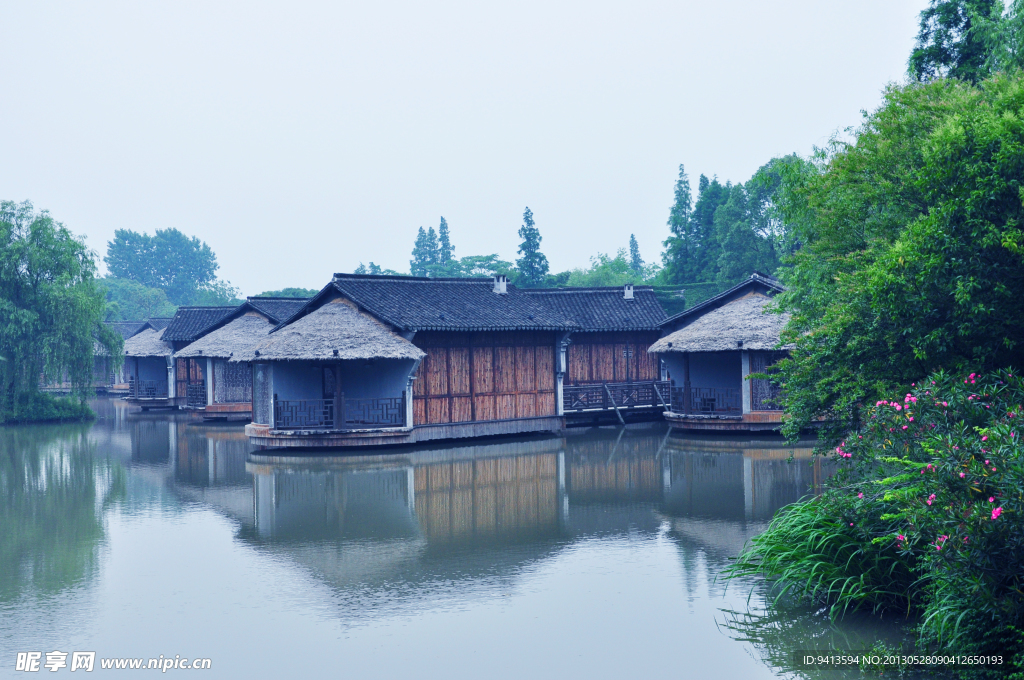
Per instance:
(962,475)
(904,427)
(911,418)
(991,499)
(851,523)
(901,537)
(986,462)
(945,404)
(984,439)
(860,495)
(996,512)
(898,407)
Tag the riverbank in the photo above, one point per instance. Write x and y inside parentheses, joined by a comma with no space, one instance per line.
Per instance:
(37,407)
(923,518)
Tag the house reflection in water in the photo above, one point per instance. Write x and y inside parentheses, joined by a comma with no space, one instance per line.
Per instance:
(480,514)
(439,495)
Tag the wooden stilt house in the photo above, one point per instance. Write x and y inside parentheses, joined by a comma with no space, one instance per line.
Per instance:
(228,384)
(397,359)
(710,351)
(189,374)
(149,367)
(607,366)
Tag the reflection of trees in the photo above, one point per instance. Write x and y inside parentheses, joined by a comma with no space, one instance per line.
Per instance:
(778,630)
(52,494)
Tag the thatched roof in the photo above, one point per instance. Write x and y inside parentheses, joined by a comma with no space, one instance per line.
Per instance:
(743,320)
(235,336)
(336,330)
(147,343)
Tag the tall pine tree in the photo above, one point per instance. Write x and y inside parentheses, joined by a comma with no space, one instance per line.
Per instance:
(533,265)
(636,263)
(446,249)
(679,245)
(421,255)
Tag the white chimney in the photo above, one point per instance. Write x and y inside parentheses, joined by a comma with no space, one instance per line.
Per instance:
(500,284)
(628,292)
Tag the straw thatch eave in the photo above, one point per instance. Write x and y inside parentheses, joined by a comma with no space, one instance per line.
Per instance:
(147,343)
(234,337)
(743,324)
(335,331)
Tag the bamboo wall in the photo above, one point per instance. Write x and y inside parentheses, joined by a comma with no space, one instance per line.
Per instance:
(487,497)
(611,357)
(468,377)
(187,371)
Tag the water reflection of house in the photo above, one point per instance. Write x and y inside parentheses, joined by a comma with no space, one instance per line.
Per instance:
(224,390)
(710,350)
(443,495)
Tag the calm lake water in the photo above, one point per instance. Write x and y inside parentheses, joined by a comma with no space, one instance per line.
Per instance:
(593,555)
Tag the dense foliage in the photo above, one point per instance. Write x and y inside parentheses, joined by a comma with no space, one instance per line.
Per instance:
(949,43)
(132,301)
(730,231)
(290,292)
(183,267)
(50,313)
(926,516)
(911,255)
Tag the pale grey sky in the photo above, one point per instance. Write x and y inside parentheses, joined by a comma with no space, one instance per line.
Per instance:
(298,138)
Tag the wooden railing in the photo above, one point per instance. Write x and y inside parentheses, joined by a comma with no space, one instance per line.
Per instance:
(147,389)
(707,400)
(303,414)
(323,414)
(195,394)
(602,396)
(382,412)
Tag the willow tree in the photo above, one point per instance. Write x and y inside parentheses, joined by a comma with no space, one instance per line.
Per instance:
(51,309)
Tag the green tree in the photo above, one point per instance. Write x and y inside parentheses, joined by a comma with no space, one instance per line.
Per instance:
(911,255)
(445,249)
(131,301)
(949,43)
(680,246)
(185,268)
(636,263)
(290,292)
(51,309)
(533,265)
(425,252)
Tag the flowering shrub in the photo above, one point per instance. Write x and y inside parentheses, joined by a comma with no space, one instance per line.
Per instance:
(926,514)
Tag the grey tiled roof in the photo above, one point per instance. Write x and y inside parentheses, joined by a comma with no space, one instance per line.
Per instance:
(126,328)
(159,322)
(469,304)
(189,322)
(604,309)
(276,309)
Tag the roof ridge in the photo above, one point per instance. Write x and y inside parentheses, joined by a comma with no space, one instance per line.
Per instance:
(585,289)
(415,279)
(260,297)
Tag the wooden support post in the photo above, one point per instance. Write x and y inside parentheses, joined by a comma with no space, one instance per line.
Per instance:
(687,406)
(660,398)
(614,406)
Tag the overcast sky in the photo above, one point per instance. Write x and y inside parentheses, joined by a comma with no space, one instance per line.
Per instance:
(300,138)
